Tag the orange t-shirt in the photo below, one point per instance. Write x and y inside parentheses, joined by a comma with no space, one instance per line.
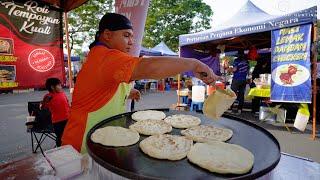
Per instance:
(96,84)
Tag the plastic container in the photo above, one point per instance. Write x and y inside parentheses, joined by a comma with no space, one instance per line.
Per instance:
(302,117)
(301,121)
(65,160)
(265,78)
(183,92)
(210,89)
(198,93)
(265,114)
(281,116)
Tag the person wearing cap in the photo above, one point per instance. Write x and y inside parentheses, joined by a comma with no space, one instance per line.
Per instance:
(103,82)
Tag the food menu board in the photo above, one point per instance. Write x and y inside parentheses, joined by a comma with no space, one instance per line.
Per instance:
(290,64)
(8,76)
(30,44)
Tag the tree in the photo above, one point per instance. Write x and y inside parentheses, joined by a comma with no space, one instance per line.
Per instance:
(83,22)
(167,19)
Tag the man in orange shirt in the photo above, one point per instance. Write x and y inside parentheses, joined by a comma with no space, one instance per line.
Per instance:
(103,83)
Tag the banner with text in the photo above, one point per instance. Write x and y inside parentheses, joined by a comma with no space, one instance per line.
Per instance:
(136,11)
(30,44)
(291,77)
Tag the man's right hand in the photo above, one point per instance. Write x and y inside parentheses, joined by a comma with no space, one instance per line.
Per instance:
(205,73)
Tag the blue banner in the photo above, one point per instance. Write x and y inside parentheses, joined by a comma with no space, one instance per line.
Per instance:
(294,19)
(291,77)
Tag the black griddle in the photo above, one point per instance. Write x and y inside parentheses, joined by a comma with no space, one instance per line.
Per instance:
(132,163)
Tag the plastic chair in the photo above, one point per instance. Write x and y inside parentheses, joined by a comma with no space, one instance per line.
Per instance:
(196,106)
(153,86)
(167,87)
(42,125)
(184,99)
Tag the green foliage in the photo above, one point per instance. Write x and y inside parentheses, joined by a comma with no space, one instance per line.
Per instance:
(83,22)
(167,19)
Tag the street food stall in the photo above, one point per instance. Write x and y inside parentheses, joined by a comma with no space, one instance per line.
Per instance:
(245,31)
(130,161)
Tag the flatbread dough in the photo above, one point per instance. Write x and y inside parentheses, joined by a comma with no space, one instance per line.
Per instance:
(218,103)
(115,136)
(183,121)
(171,147)
(148,115)
(204,133)
(220,157)
(151,127)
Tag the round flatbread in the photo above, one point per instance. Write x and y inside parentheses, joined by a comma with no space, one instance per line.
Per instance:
(165,146)
(218,102)
(115,136)
(183,121)
(151,127)
(205,133)
(220,157)
(148,115)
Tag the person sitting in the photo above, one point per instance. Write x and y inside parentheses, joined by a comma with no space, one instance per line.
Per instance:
(57,103)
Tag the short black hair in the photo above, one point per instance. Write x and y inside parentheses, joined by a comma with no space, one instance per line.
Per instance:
(114,22)
(52,82)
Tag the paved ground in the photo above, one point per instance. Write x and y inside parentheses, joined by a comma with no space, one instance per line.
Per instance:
(15,141)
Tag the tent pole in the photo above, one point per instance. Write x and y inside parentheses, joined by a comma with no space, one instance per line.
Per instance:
(68,49)
(178,103)
(314,76)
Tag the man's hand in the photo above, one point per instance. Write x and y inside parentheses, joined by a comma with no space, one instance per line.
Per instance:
(205,73)
(134,95)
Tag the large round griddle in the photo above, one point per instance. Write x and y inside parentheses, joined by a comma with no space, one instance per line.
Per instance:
(131,162)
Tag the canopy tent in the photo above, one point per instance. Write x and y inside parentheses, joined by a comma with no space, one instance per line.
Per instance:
(242,31)
(149,52)
(164,49)
(254,30)
(248,14)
